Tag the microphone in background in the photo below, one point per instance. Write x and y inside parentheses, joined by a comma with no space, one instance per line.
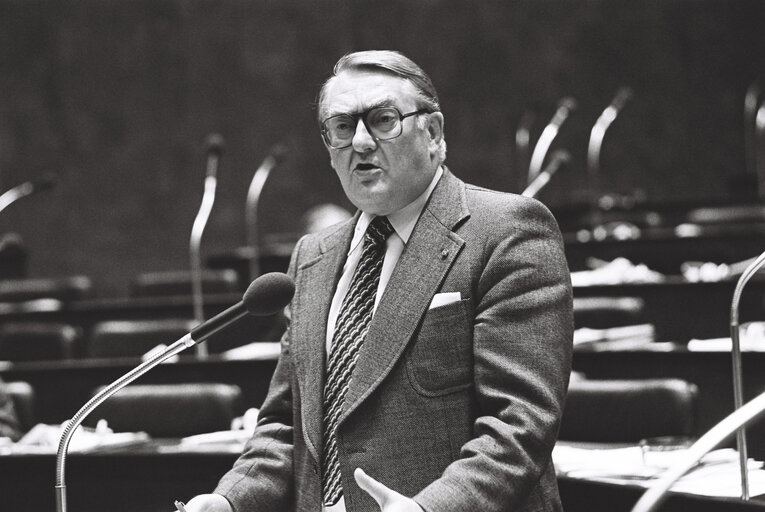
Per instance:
(594,147)
(274,158)
(558,160)
(759,127)
(214,145)
(267,295)
(523,141)
(44,182)
(738,380)
(565,107)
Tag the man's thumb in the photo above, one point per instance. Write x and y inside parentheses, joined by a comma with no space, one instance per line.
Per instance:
(378,491)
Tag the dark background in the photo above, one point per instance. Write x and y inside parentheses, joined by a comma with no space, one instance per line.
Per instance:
(117,98)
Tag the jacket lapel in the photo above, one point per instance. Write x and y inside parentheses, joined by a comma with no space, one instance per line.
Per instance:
(317,281)
(418,275)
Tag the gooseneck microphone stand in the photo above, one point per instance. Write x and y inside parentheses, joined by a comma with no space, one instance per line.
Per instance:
(266,295)
(594,147)
(98,399)
(251,205)
(214,150)
(738,380)
(12,195)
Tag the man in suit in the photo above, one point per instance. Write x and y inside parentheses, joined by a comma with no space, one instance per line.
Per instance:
(455,387)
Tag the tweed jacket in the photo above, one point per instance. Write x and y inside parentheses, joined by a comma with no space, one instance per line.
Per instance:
(457,406)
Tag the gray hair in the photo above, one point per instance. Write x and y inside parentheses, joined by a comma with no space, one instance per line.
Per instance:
(395,63)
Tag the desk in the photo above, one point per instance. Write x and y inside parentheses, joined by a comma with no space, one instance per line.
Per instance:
(681,310)
(145,478)
(137,479)
(579,495)
(63,387)
(86,313)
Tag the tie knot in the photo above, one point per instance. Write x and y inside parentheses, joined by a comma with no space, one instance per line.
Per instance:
(379,230)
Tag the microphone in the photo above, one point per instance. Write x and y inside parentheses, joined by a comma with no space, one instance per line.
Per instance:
(759,127)
(275,157)
(751,99)
(738,380)
(558,160)
(214,143)
(598,132)
(565,107)
(265,296)
(44,182)
(523,140)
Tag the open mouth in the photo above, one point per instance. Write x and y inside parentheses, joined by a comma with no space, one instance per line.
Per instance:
(365,167)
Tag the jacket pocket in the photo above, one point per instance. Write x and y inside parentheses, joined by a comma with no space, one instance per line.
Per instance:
(441,359)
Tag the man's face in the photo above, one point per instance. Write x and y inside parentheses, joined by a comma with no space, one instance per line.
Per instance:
(380,177)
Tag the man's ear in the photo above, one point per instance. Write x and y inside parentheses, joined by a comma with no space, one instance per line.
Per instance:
(436,128)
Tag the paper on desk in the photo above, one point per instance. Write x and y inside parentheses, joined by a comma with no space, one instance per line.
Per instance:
(717,475)
(44,438)
(255,350)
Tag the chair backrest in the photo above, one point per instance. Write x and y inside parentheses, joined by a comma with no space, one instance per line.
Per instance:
(62,288)
(171,410)
(628,410)
(179,282)
(603,312)
(133,338)
(38,341)
(22,395)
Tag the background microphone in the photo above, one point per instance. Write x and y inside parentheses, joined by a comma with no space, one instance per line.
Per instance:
(558,160)
(565,107)
(274,158)
(265,296)
(594,147)
(44,182)
(214,145)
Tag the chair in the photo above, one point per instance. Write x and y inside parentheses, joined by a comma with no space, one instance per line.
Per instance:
(61,288)
(22,395)
(628,410)
(171,410)
(603,312)
(14,257)
(38,341)
(133,338)
(179,283)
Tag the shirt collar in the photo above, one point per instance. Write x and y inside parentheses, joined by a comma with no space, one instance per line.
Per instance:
(403,220)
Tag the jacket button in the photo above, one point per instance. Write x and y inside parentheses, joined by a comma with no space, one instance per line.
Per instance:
(315,469)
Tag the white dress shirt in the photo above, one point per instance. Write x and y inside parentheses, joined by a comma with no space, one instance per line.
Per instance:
(403,222)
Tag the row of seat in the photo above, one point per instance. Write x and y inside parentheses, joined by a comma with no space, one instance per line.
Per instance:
(618,410)
(36,341)
(148,284)
(41,341)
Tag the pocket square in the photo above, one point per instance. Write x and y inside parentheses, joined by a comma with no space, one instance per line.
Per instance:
(442,299)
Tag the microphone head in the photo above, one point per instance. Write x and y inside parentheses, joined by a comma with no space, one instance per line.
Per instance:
(214,143)
(278,152)
(568,103)
(45,182)
(268,294)
(623,95)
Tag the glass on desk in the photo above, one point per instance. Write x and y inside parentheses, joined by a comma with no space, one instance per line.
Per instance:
(664,451)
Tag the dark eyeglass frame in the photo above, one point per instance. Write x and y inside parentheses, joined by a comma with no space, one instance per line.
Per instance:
(363,116)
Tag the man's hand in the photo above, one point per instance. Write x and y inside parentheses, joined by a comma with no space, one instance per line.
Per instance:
(208,503)
(388,499)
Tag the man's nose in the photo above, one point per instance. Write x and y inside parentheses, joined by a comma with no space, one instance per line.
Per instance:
(362,139)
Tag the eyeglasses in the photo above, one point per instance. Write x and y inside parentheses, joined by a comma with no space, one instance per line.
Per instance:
(382,123)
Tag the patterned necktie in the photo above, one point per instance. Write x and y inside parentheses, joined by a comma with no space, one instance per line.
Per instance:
(350,330)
